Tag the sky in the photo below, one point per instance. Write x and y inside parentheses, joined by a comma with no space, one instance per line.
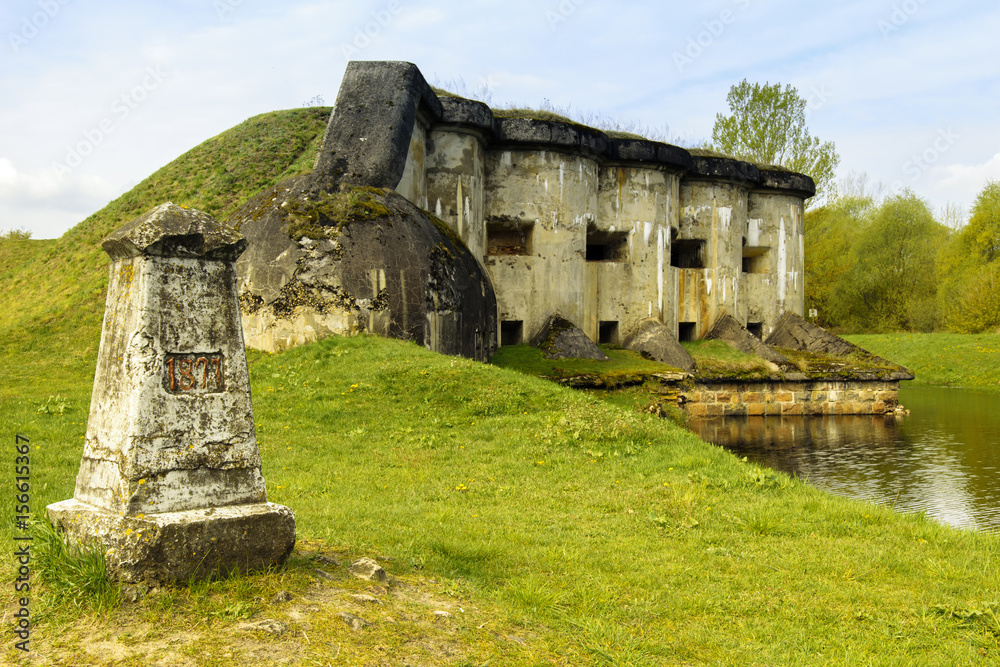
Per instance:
(95,96)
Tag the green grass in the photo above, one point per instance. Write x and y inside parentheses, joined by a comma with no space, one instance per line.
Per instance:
(597,534)
(623,366)
(951,360)
(716,358)
(554,527)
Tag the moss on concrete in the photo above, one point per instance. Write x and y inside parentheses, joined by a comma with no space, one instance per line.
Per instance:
(327,216)
(859,365)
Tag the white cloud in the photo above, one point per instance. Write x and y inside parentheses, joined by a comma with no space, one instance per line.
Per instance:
(962,182)
(46,204)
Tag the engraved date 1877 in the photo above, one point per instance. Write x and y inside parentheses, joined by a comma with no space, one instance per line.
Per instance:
(193,373)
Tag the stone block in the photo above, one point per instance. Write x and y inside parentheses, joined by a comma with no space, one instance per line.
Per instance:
(751,397)
(756,409)
(773,409)
(785,397)
(714,410)
(878,408)
(175,546)
(791,409)
(697,410)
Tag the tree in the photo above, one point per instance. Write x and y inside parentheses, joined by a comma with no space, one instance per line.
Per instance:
(830,231)
(969,267)
(982,234)
(892,285)
(768,125)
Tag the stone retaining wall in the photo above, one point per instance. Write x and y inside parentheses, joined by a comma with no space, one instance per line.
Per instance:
(813,397)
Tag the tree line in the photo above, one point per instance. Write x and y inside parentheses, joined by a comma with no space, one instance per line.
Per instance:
(873,263)
(887,263)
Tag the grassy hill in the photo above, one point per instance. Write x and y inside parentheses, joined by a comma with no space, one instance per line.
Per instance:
(53,290)
(546,526)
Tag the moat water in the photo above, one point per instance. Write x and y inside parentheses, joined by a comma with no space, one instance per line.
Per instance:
(943,459)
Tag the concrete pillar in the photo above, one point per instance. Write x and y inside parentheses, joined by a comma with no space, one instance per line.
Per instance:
(170,480)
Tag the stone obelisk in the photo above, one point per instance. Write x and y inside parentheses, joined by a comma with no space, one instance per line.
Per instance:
(170,483)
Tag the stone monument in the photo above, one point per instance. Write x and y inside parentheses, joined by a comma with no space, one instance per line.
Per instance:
(170,482)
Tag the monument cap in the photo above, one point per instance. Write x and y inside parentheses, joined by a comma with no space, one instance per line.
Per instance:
(170,230)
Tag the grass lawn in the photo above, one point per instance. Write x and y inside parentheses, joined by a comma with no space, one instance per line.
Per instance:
(552,527)
(951,360)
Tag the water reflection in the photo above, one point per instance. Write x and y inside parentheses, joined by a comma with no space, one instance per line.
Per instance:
(942,459)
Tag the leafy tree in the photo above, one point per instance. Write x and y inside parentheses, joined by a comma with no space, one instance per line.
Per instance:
(969,267)
(892,285)
(982,234)
(768,125)
(830,231)
(976,307)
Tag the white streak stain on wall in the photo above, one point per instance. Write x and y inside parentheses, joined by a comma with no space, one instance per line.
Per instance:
(661,245)
(782,263)
(753,231)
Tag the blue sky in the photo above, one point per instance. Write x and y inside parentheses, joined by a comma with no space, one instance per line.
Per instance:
(97,95)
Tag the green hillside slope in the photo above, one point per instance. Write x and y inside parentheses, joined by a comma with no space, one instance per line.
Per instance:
(52,299)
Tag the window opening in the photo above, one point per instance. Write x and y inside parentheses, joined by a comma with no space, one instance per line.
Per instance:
(607,333)
(505,239)
(607,246)
(511,332)
(687,254)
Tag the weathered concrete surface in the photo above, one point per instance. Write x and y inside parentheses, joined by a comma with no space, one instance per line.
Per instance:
(655,340)
(561,339)
(563,217)
(729,330)
(171,422)
(375,113)
(797,333)
(358,259)
(596,216)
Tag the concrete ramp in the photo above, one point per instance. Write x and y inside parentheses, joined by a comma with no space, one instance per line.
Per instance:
(797,333)
(729,330)
(561,339)
(654,340)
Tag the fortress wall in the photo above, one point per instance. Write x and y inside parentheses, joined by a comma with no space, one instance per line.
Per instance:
(715,214)
(413,183)
(545,200)
(776,281)
(455,173)
(567,220)
(628,270)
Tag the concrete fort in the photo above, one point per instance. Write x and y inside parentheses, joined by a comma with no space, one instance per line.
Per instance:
(170,482)
(562,220)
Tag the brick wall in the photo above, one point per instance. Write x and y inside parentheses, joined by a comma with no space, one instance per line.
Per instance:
(815,397)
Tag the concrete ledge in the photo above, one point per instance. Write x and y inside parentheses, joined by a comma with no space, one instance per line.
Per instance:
(176,546)
(724,168)
(368,136)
